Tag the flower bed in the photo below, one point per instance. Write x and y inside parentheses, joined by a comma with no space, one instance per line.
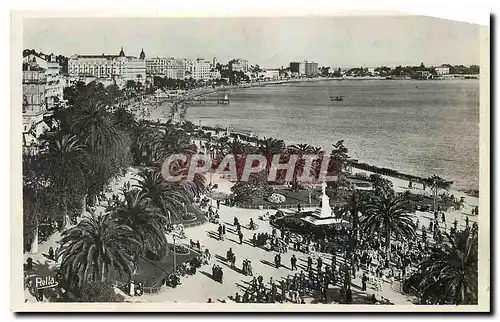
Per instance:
(181,249)
(276,198)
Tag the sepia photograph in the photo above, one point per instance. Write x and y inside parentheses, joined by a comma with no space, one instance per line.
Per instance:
(308,163)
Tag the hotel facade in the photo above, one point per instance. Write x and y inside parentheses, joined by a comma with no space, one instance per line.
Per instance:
(119,67)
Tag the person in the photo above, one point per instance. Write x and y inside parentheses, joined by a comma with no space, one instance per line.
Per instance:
(254,240)
(223,231)
(277,260)
(430,226)
(467,221)
(51,253)
(309,263)
(252,225)
(410,184)
(364,279)
(209,300)
(218,204)
(240,235)
(299,207)
(293,262)
(221,234)
(443,219)
(131,288)
(348,295)
(235,221)
(373,299)
(237,298)
(138,289)
(29,263)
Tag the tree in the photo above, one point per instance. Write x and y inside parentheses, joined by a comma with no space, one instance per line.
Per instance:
(386,215)
(172,141)
(450,274)
(94,248)
(67,160)
(437,183)
(98,292)
(355,205)
(166,196)
(146,221)
(300,150)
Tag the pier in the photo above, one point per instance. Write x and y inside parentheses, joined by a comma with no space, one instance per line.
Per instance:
(221,99)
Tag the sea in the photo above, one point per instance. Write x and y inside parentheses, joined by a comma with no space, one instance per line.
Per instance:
(418,127)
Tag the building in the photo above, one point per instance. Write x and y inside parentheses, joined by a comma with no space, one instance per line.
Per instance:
(311,69)
(200,69)
(215,74)
(442,70)
(239,65)
(298,68)
(168,67)
(55,83)
(269,74)
(109,66)
(34,104)
(304,68)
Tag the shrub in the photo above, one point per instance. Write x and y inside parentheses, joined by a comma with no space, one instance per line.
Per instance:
(98,292)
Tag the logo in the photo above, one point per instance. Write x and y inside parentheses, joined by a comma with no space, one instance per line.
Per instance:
(45,282)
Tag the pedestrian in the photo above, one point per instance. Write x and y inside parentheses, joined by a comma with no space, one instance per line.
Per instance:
(364,279)
(293,262)
(467,221)
(240,235)
(218,204)
(277,260)
(223,231)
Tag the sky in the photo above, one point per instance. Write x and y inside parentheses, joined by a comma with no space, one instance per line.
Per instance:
(269,42)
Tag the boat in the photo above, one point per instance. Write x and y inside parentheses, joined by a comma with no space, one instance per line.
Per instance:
(336,98)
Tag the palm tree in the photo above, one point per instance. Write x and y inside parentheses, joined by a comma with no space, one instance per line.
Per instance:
(450,273)
(95,247)
(146,221)
(170,197)
(172,141)
(67,159)
(386,214)
(355,205)
(437,183)
(93,124)
(300,150)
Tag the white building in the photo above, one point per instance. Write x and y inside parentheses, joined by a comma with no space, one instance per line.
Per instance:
(109,66)
(270,74)
(168,67)
(200,69)
(442,70)
(55,82)
(239,65)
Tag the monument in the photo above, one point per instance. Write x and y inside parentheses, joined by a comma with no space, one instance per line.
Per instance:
(323,215)
(326,210)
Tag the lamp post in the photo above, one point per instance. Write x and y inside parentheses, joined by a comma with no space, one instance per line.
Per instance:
(175,257)
(211,189)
